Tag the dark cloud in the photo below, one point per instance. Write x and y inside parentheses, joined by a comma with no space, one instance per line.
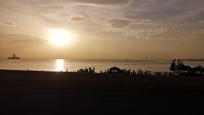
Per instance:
(77,18)
(102,1)
(197,17)
(8,24)
(118,23)
(160,16)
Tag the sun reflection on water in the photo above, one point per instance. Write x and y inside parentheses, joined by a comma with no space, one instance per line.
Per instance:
(59,65)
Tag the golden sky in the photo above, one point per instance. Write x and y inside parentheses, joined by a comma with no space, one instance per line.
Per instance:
(103,29)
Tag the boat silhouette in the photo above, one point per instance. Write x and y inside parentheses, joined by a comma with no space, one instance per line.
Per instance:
(14,57)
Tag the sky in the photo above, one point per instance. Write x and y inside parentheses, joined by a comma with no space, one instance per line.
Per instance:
(103,29)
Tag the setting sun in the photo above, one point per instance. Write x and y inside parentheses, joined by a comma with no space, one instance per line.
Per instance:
(59,37)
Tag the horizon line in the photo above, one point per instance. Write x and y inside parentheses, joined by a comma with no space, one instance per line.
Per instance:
(126,59)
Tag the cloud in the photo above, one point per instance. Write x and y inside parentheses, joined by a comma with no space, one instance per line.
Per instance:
(104,20)
(132,18)
(7,24)
(22,39)
(77,18)
(109,2)
(118,23)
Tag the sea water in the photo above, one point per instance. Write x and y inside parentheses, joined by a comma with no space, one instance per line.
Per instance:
(99,65)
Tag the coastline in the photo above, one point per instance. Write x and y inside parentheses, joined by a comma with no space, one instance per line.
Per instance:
(192,82)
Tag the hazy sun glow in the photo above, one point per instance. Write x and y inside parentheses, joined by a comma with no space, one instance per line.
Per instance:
(59,37)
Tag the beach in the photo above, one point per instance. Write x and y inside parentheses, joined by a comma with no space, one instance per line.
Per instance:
(35,92)
(101,57)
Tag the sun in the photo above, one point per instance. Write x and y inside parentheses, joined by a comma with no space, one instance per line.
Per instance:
(60,37)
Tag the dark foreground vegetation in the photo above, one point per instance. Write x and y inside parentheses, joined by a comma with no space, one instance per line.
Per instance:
(177,68)
(49,93)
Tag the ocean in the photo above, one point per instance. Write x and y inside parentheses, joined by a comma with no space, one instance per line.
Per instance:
(100,65)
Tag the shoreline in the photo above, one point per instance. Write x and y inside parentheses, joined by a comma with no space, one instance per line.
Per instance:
(182,82)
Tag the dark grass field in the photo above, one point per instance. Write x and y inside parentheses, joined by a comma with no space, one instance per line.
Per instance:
(50,93)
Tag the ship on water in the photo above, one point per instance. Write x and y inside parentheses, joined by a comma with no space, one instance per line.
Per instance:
(14,57)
